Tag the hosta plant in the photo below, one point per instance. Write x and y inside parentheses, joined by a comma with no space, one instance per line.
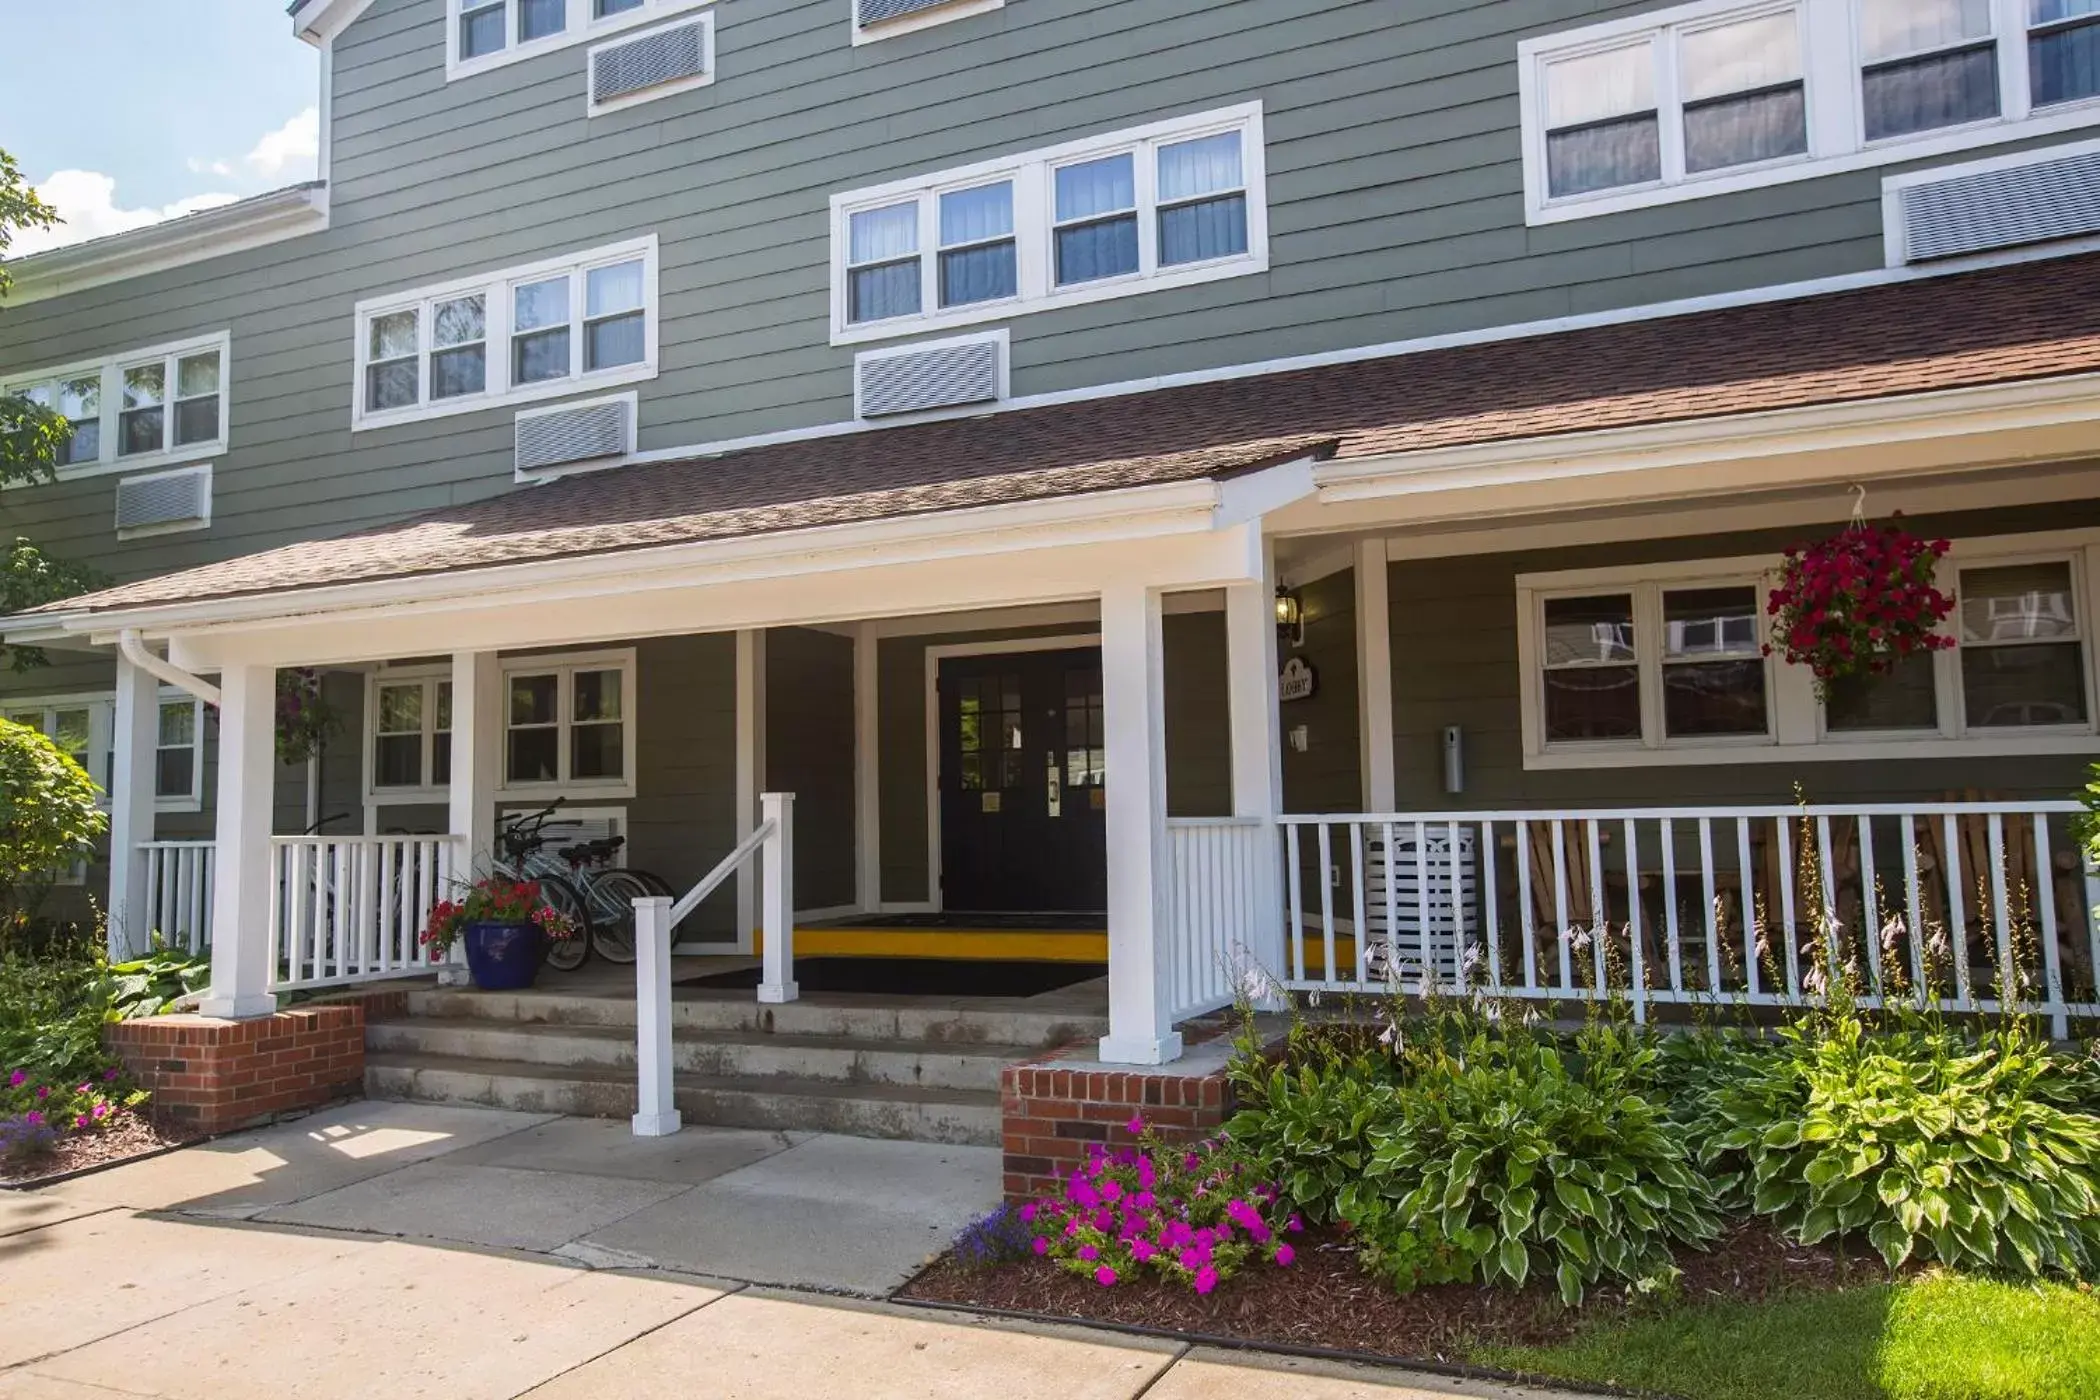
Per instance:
(1512,1159)
(1928,1143)
(1308,1126)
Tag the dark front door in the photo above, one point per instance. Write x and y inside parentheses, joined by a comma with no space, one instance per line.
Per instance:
(1021,783)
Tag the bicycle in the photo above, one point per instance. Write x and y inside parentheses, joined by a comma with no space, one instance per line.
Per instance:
(580,881)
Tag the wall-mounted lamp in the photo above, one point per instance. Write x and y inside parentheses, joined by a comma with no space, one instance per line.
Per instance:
(1290,618)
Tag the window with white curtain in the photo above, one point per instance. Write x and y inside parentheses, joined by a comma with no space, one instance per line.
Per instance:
(1171,204)
(1723,95)
(487,34)
(508,336)
(162,404)
(1664,663)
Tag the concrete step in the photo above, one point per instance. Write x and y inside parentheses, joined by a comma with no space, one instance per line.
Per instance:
(958,1116)
(1013,1022)
(715,1054)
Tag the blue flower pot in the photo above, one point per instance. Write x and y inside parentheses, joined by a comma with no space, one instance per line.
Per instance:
(504,957)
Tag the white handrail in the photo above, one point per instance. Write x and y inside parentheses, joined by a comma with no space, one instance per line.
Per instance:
(728,867)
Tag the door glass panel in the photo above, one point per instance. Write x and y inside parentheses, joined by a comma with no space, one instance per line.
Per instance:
(1086,755)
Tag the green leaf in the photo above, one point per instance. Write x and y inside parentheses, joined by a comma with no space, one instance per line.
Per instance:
(1783,1134)
(1570,1279)
(1516,1261)
(1894,1242)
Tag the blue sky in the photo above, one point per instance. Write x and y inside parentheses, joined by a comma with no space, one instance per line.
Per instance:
(187,103)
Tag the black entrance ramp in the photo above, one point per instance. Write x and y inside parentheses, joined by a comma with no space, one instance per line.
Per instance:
(938,977)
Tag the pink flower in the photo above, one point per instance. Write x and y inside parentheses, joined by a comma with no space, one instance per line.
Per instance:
(1143,1200)
(1142,1250)
(17,1079)
(1105,1276)
(1136,1126)
(1042,1245)
(1111,1190)
(1206,1279)
(1028,1212)
(1089,1253)
(1285,1255)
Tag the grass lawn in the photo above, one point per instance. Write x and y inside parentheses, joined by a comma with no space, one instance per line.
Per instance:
(1940,1337)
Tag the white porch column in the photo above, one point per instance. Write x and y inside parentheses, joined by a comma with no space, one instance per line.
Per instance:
(750,770)
(1257,748)
(867,771)
(1133,666)
(133,746)
(1374,678)
(777,978)
(656,1108)
(477,755)
(244,883)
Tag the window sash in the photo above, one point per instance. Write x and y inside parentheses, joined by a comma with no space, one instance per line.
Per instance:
(567,724)
(1653,664)
(429,735)
(112,425)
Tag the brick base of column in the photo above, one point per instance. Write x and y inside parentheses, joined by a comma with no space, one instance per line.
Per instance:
(1054,1106)
(211,1076)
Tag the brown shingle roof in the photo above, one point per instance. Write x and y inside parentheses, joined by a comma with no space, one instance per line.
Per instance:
(2025,321)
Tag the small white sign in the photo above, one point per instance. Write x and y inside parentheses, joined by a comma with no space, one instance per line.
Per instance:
(1298,682)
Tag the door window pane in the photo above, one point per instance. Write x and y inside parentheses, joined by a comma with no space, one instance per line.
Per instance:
(2063,50)
(1096,237)
(1744,97)
(1602,127)
(142,423)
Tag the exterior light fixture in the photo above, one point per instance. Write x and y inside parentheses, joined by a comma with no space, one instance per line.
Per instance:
(1290,618)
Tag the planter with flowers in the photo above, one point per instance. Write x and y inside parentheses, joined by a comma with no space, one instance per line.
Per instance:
(505,927)
(1859,602)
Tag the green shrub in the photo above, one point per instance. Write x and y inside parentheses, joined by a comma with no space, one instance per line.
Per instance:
(48,816)
(52,1008)
(1929,1142)
(1307,1126)
(1511,1158)
(147,986)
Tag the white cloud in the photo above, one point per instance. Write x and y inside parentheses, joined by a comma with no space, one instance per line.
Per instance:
(199,166)
(291,150)
(87,201)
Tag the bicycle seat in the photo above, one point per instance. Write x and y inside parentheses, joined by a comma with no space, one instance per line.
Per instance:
(593,852)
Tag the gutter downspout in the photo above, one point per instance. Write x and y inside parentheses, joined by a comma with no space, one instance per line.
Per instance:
(134,650)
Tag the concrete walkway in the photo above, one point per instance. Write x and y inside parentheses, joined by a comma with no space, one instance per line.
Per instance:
(401,1250)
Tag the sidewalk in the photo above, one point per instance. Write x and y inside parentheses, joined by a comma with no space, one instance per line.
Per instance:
(401,1250)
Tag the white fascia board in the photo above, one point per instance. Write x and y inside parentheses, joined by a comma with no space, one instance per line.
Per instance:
(210,233)
(1101,517)
(1817,428)
(319,21)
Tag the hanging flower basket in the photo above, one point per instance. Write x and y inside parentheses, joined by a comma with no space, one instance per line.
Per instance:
(1858,603)
(305,721)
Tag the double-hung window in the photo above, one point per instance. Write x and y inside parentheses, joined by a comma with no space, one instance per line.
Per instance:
(408,735)
(513,335)
(1722,95)
(1665,664)
(166,403)
(569,723)
(178,754)
(1166,205)
(490,33)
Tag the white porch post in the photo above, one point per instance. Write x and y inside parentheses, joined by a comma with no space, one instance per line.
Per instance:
(244,883)
(777,979)
(477,755)
(1140,1020)
(1257,749)
(750,769)
(133,748)
(867,771)
(1374,678)
(656,1110)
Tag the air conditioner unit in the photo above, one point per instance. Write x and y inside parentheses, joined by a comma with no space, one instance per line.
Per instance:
(2010,202)
(587,432)
(164,502)
(930,375)
(656,64)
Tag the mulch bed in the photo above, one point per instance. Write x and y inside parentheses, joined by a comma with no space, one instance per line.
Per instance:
(1325,1301)
(131,1135)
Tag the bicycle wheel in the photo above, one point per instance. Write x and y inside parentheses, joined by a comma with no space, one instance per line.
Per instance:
(657,884)
(562,898)
(613,894)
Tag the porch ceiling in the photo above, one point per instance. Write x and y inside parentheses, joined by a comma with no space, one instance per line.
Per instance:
(2025,322)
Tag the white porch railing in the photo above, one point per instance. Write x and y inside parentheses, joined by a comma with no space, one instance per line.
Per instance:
(773,846)
(1222,904)
(350,908)
(1970,906)
(176,887)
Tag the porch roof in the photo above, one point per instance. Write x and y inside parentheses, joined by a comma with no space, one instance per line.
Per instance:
(2026,321)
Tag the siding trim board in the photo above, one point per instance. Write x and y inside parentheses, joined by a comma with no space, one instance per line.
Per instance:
(1837,139)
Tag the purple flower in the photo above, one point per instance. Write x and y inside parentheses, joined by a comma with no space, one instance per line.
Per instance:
(33,1118)
(1089,1253)
(110,1074)
(1105,1276)
(1143,1200)
(1111,1190)
(1142,1250)
(18,1079)
(1206,1279)
(81,1121)
(101,1110)
(1028,1212)
(43,1093)
(1136,1126)
(1285,1255)
(1296,1223)
(1042,1246)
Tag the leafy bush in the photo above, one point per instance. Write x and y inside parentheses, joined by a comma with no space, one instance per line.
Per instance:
(48,816)
(1306,1122)
(1512,1158)
(1196,1215)
(52,1008)
(1928,1141)
(150,985)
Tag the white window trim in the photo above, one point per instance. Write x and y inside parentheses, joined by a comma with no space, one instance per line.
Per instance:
(1032,176)
(579,29)
(922,19)
(427,792)
(1836,122)
(110,369)
(1798,732)
(495,288)
(592,107)
(101,706)
(565,665)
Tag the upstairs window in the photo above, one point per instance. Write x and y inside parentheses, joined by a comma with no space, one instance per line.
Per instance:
(1722,95)
(1167,205)
(138,408)
(556,328)
(490,33)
